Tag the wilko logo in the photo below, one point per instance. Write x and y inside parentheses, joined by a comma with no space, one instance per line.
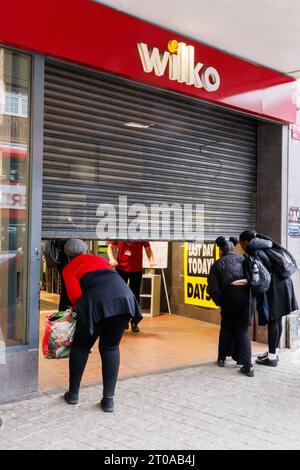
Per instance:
(180,61)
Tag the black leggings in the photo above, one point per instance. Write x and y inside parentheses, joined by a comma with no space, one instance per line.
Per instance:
(110,332)
(234,337)
(274,334)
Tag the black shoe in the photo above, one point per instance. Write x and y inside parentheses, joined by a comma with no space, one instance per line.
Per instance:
(107,405)
(248,371)
(71,399)
(267,362)
(135,328)
(221,363)
(265,356)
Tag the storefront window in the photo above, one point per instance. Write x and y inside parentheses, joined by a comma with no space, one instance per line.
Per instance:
(15,77)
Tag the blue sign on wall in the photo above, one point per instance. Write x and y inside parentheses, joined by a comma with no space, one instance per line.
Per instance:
(294,221)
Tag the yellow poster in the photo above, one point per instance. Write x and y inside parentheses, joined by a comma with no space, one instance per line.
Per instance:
(198,260)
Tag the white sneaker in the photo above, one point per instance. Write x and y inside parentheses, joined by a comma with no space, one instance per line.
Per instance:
(265,355)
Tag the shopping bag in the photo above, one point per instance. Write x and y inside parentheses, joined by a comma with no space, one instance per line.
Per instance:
(59,334)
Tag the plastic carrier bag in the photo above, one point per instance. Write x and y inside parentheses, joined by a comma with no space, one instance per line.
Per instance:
(59,334)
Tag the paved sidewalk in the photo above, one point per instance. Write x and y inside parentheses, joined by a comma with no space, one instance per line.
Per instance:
(197,408)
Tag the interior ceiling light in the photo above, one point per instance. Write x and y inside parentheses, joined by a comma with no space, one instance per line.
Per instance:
(137,125)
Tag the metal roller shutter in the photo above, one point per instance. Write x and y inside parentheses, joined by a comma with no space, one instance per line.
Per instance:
(192,152)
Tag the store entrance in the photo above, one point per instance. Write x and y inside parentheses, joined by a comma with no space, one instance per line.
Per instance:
(111,142)
(164,342)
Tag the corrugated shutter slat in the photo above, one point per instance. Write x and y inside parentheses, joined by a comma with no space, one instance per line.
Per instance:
(192,152)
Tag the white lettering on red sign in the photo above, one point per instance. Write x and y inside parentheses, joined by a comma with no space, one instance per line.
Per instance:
(182,67)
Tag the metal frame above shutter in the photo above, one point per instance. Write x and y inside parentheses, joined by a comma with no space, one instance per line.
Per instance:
(192,152)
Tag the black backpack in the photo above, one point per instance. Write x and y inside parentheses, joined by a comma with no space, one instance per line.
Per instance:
(257,275)
(283,264)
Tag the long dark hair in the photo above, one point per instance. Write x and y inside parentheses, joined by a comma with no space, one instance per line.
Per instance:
(249,235)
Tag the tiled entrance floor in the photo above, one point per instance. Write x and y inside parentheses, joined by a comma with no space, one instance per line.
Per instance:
(165,342)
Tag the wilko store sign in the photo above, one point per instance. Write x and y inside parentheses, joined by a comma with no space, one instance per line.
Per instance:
(12,196)
(182,66)
(179,63)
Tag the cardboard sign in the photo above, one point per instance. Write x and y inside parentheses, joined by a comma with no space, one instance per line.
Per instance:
(160,252)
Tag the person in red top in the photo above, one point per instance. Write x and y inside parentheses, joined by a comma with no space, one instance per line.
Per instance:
(129,264)
(105,305)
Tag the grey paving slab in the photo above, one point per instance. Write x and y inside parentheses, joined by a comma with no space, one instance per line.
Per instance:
(196,408)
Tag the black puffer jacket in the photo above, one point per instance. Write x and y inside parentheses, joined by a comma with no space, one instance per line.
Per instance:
(258,248)
(226,270)
(280,299)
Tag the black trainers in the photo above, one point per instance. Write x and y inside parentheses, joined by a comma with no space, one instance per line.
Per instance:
(107,405)
(267,362)
(248,371)
(265,355)
(135,328)
(71,399)
(221,363)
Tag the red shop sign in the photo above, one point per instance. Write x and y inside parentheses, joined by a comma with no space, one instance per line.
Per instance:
(88,33)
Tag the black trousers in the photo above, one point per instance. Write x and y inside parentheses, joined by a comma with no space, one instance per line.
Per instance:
(135,281)
(234,334)
(109,332)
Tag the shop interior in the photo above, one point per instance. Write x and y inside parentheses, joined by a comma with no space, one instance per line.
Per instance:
(166,340)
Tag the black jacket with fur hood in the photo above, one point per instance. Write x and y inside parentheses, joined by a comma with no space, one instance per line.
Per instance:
(280,299)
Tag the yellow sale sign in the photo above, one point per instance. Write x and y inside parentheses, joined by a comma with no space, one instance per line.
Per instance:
(198,260)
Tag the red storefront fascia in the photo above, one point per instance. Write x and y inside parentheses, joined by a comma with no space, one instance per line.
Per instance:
(90,34)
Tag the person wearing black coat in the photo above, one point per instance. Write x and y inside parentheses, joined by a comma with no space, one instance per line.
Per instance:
(280,299)
(104,305)
(229,288)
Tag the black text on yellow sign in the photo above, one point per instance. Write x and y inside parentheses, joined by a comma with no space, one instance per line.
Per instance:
(198,260)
